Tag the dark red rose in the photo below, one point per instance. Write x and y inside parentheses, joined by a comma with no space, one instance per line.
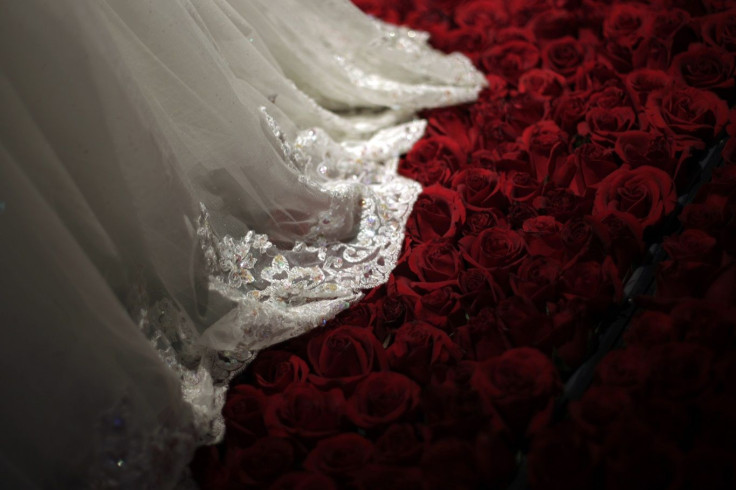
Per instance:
(581,239)
(361,314)
(452,122)
(273,370)
(417,347)
(483,14)
(520,385)
(621,234)
(439,306)
(594,75)
(436,261)
(521,110)
(523,10)
(613,95)
(632,449)
(433,160)
(642,82)
(345,355)
(604,125)
(561,457)
(469,41)
(523,324)
(521,187)
(599,408)
(597,283)
(305,411)
(542,82)
(594,163)
(678,279)
(304,481)
(263,461)
(692,245)
(437,214)
(537,279)
(547,147)
(639,148)
(448,464)
(651,328)
(692,116)
(480,189)
(627,368)
(478,221)
(482,337)
(705,67)
(388,477)
(542,236)
(569,109)
(647,193)
(555,23)
(562,204)
(394,12)
(398,444)
(625,24)
(495,248)
(720,29)
(382,398)
(510,59)
(563,55)
(339,455)
(706,323)
(707,215)
(243,413)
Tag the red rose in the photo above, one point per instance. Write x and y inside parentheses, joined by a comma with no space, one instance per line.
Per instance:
(524,325)
(469,41)
(305,411)
(692,245)
(482,337)
(627,368)
(262,462)
(639,148)
(555,23)
(537,279)
(597,283)
(243,412)
(480,188)
(433,160)
(640,83)
(561,457)
(563,55)
(437,214)
(599,408)
(483,14)
(581,239)
(594,163)
(478,289)
(692,116)
(720,29)
(382,398)
(339,455)
(520,385)
(273,370)
(345,355)
(520,111)
(625,24)
(595,74)
(361,314)
(651,328)
(542,236)
(452,122)
(521,187)
(439,306)
(622,235)
(562,204)
(510,59)
(398,444)
(495,248)
(647,193)
(569,109)
(436,261)
(304,481)
(706,323)
(604,125)
(705,67)
(417,347)
(547,146)
(542,83)
(478,221)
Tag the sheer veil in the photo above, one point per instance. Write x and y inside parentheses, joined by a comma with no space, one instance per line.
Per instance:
(183,183)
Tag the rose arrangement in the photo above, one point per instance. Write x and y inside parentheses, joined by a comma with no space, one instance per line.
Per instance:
(539,201)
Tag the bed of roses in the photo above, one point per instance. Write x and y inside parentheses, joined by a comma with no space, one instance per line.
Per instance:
(539,201)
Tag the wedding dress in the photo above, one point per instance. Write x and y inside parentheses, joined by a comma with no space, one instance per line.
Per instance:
(183,183)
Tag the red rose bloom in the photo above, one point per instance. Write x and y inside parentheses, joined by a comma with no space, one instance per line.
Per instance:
(563,55)
(433,160)
(345,355)
(437,214)
(480,188)
(494,248)
(262,462)
(340,455)
(305,411)
(599,408)
(646,193)
(483,14)
(543,83)
(273,370)
(720,29)
(692,116)
(604,125)
(382,398)
(625,24)
(243,413)
(594,163)
(639,148)
(705,67)
(520,385)
(417,347)
(398,444)
(436,261)
(510,59)
(640,83)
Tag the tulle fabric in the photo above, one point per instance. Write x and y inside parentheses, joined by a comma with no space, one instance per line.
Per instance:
(148,149)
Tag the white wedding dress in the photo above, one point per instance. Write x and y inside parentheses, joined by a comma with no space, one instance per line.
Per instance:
(183,183)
